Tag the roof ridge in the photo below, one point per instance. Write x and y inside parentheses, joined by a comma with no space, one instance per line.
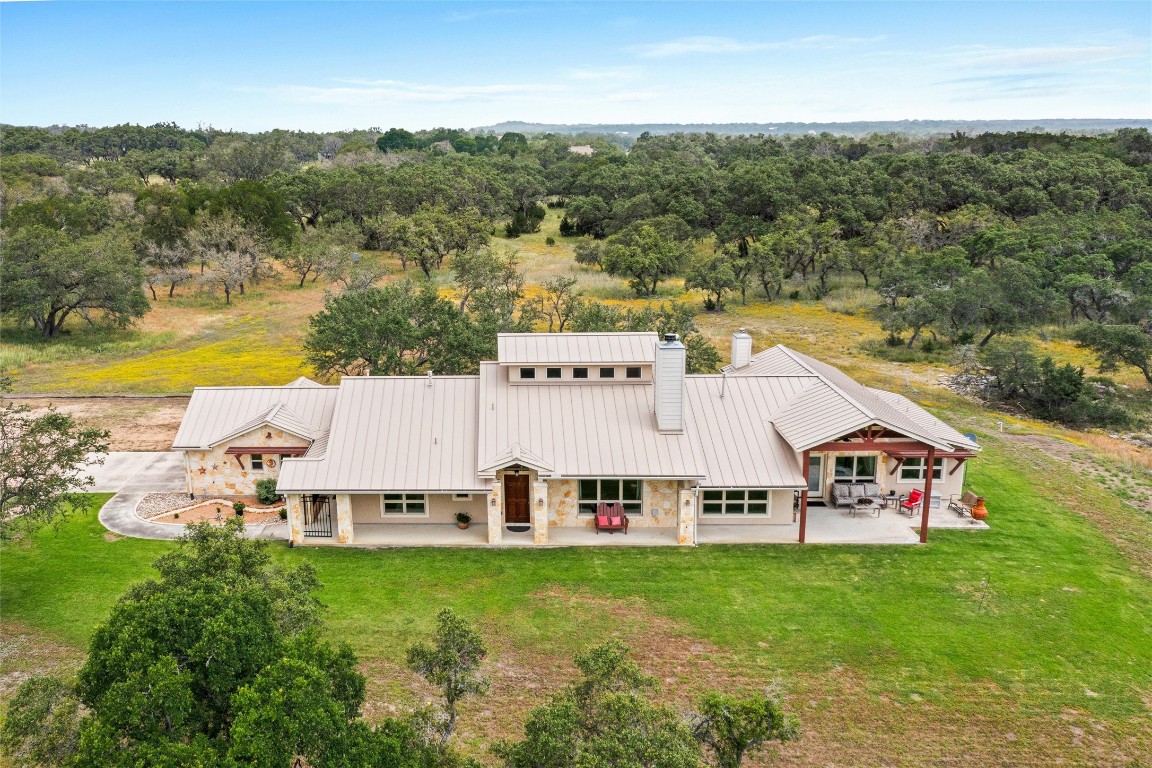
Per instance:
(793,354)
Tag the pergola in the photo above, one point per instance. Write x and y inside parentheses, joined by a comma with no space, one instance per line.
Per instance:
(878,438)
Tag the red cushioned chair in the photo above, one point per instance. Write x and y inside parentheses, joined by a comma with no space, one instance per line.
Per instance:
(913,502)
(611,518)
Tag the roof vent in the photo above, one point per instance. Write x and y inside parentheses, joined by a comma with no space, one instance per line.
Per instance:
(671,337)
(741,349)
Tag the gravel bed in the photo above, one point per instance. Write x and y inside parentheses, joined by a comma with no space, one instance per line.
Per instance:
(158,503)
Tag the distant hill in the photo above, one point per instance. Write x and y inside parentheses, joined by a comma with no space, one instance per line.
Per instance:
(858,128)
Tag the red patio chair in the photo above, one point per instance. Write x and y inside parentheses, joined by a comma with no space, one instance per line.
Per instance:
(602,517)
(611,518)
(913,502)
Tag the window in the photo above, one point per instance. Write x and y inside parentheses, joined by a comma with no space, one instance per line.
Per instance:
(461,497)
(403,504)
(632,372)
(626,492)
(257,462)
(913,469)
(607,373)
(527,373)
(855,469)
(736,501)
(815,472)
(554,373)
(579,373)
(284,456)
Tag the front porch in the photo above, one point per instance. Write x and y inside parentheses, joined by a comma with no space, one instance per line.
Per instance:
(377,535)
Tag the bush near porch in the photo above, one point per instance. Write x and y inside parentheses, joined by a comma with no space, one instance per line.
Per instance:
(1022,644)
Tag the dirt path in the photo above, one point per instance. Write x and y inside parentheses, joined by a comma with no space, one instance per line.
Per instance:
(136,424)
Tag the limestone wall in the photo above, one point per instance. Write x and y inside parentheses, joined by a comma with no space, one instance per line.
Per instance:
(215,473)
(659,500)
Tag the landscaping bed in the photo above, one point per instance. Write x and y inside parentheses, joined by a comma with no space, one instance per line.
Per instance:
(215,511)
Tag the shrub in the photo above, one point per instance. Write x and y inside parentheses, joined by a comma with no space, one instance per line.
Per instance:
(266,490)
(549,240)
(176,516)
(238,507)
(283,513)
(463,517)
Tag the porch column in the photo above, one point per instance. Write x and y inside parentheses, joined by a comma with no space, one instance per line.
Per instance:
(295,504)
(686,518)
(926,502)
(343,518)
(495,514)
(539,503)
(804,497)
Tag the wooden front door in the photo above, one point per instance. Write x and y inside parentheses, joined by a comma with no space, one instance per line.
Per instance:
(516,499)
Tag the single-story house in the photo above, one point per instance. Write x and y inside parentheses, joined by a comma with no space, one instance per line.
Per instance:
(557,425)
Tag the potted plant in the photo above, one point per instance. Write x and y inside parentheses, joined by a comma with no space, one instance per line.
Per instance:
(462,520)
(238,508)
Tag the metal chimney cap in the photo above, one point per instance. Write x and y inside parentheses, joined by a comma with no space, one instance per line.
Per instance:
(671,337)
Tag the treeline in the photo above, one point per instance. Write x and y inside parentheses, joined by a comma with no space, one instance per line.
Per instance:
(222,661)
(965,238)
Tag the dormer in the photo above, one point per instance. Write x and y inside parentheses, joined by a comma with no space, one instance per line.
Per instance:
(577,358)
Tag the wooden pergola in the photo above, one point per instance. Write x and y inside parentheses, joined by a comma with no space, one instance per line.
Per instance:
(883,440)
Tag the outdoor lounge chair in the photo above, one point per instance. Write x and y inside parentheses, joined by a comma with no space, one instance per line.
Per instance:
(611,518)
(962,505)
(913,502)
(846,494)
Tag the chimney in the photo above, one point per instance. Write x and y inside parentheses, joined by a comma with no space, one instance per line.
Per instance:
(669,376)
(741,349)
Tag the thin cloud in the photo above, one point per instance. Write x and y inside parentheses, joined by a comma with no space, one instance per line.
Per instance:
(595,74)
(683,46)
(627,97)
(460,16)
(362,92)
(1045,56)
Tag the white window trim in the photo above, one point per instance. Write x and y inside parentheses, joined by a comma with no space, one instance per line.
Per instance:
(580,500)
(461,497)
(404,515)
(252,463)
(755,515)
(920,467)
(855,478)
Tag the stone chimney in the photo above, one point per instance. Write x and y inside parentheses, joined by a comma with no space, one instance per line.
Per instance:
(669,376)
(741,349)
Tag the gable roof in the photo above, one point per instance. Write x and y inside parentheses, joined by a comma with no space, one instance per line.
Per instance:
(215,414)
(575,348)
(835,405)
(402,433)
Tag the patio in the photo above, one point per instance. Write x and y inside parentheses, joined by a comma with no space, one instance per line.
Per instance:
(827,525)
(476,535)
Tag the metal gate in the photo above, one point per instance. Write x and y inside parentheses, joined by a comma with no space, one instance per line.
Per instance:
(317,516)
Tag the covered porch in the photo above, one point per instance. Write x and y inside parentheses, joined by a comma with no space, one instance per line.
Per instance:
(377,535)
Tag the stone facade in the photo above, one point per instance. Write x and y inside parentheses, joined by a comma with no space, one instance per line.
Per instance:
(659,504)
(215,473)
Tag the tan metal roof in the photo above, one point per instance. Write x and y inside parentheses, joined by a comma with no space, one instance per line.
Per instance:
(739,445)
(926,420)
(279,416)
(606,430)
(836,404)
(214,413)
(404,433)
(576,348)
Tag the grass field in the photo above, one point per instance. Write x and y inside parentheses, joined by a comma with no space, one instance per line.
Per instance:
(1029,644)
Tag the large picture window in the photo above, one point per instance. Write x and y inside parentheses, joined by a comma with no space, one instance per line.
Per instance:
(626,492)
(736,501)
(403,504)
(913,469)
(855,469)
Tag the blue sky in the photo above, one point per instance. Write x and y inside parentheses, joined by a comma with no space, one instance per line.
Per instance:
(330,66)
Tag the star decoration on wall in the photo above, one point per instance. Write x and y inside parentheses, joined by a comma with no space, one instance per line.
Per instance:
(202,470)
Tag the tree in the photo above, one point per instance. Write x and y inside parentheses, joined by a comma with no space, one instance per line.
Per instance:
(397,329)
(645,255)
(730,727)
(321,252)
(231,251)
(715,277)
(166,264)
(451,663)
(395,140)
(603,718)
(431,235)
(589,252)
(48,277)
(1115,344)
(42,728)
(561,302)
(258,207)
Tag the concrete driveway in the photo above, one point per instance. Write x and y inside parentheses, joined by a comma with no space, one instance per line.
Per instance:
(131,475)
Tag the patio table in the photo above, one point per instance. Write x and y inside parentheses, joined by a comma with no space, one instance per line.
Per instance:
(865,505)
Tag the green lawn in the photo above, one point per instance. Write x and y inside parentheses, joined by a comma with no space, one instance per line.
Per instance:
(1043,606)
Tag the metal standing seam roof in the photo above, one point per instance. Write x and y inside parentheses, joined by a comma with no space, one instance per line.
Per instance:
(600,430)
(278,416)
(774,361)
(575,348)
(402,433)
(739,445)
(927,421)
(214,413)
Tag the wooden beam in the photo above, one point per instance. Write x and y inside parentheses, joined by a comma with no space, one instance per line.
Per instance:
(926,502)
(896,468)
(868,446)
(959,463)
(804,498)
(283,450)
